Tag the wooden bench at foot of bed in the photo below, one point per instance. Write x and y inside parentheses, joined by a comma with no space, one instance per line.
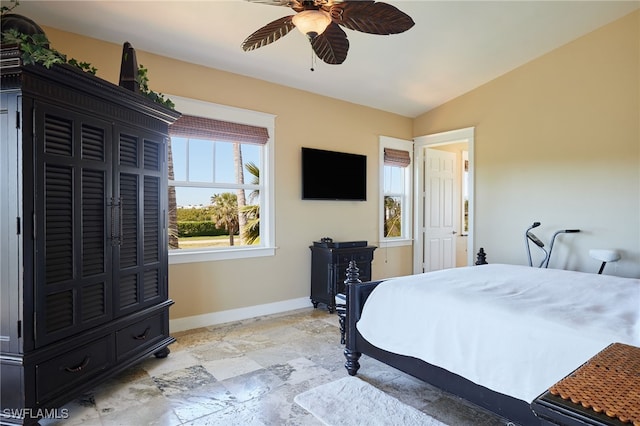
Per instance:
(605,391)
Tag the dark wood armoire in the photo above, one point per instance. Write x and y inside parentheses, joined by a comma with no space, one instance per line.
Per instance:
(83,234)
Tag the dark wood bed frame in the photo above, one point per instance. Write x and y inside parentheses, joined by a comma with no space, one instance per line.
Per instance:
(511,409)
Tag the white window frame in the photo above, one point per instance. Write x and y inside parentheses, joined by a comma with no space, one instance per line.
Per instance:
(267,245)
(407,207)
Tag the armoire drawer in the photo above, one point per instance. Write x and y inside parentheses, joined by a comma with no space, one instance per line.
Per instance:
(360,258)
(66,370)
(139,335)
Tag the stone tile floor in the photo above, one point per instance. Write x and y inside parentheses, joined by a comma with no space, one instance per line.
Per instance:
(247,373)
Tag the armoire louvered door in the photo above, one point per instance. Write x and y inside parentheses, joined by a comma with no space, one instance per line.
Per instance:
(140,258)
(100,211)
(73,179)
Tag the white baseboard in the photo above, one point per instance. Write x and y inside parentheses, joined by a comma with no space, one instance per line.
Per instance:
(213,318)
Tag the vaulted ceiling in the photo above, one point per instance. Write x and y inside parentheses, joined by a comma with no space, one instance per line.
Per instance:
(454,46)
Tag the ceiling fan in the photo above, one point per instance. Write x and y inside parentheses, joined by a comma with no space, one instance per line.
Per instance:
(320,20)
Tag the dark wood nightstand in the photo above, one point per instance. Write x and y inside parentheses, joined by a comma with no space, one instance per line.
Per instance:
(329,266)
(604,391)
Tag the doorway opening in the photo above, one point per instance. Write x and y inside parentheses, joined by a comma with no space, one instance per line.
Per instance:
(443,212)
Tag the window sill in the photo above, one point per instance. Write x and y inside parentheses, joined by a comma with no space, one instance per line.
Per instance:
(395,243)
(192,256)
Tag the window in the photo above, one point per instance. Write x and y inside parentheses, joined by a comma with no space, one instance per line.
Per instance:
(465,193)
(220,185)
(395,185)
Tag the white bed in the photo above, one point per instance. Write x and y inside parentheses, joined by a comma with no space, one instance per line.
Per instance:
(513,329)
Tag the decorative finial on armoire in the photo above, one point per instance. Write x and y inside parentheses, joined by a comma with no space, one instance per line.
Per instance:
(129,69)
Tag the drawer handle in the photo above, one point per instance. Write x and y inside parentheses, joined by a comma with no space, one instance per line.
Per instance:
(144,335)
(79,368)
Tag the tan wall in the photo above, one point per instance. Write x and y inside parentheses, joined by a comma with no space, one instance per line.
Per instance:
(558,141)
(303,119)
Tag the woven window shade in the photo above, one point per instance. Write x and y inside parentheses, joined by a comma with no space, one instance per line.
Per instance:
(396,157)
(190,126)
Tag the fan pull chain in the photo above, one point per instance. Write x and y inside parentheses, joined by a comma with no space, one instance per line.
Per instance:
(313,60)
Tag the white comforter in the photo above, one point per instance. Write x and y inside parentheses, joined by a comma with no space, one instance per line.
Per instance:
(513,329)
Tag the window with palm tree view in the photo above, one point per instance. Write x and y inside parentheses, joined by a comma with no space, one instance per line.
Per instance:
(393,200)
(214,193)
(395,185)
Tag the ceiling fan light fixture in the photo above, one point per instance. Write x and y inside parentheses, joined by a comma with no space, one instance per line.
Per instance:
(312,23)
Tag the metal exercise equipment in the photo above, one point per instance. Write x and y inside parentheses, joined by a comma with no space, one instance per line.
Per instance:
(531,237)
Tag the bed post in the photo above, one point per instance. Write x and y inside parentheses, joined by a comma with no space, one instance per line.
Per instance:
(482,257)
(350,351)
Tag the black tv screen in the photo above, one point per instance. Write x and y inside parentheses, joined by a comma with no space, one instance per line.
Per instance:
(331,175)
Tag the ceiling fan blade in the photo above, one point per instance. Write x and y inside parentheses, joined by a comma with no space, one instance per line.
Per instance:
(269,33)
(299,5)
(332,45)
(371,17)
(293,4)
(286,3)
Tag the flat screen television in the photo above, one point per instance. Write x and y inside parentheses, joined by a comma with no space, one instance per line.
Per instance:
(331,175)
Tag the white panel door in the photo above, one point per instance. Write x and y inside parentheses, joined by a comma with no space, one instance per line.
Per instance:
(440,207)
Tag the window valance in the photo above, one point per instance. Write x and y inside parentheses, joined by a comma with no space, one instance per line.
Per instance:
(191,126)
(396,157)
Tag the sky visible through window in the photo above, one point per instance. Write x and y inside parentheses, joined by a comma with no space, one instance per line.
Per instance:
(393,180)
(207,162)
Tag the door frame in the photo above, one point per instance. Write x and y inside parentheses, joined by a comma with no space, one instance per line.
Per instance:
(467,135)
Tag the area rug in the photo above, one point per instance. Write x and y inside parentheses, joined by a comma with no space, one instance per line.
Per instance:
(351,402)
